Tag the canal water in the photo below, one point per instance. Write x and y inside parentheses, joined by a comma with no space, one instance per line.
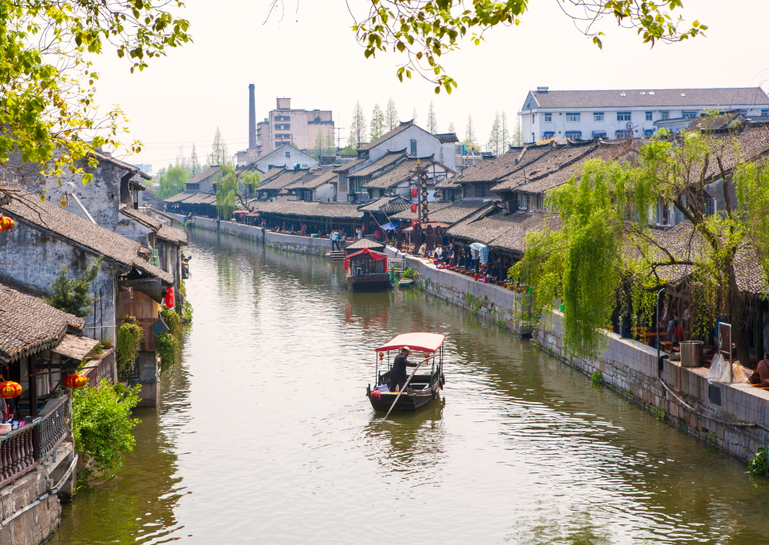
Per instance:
(264,433)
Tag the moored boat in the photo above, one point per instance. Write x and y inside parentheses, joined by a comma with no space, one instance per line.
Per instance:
(422,386)
(367,271)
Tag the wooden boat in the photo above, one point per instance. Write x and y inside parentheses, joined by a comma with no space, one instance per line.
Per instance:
(367,271)
(425,383)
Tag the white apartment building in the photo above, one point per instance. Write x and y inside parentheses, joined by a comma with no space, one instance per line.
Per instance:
(299,128)
(620,114)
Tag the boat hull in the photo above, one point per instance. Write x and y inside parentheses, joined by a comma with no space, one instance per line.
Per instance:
(369,282)
(405,403)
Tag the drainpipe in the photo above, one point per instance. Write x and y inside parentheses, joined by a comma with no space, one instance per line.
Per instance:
(70,193)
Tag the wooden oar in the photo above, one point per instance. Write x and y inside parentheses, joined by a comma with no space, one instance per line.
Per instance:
(402,390)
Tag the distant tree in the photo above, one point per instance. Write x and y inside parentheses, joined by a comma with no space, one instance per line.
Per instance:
(470,131)
(505,133)
(358,132)
(219,154)
(171,181)
(496,143)
(324,146)
(377,122)
(414,115)
(432,119)
(391,115)
(517,139)
(451,128)
(194,163)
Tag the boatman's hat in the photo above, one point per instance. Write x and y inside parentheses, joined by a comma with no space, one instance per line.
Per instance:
(406,349)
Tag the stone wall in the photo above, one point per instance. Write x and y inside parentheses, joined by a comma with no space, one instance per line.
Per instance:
(288,243)
(733,417)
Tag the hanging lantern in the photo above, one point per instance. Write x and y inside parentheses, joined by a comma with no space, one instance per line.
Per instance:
(169,299)
(427,355)
(6,223)
(381,355)
(10,389)
(75,380)
(413,208)
(413,192)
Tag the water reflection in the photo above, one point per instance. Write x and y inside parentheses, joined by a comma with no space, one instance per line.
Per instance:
(266,435)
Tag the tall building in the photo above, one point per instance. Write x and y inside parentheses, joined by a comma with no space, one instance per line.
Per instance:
(303,129)
(633,113)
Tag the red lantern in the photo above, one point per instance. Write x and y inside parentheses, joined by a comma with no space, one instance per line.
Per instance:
(10,389)
(381,355)
(6,223)
(413,208)
(75,380)
(413,192)
(169,299)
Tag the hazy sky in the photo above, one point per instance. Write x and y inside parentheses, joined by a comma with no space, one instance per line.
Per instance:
(311,56)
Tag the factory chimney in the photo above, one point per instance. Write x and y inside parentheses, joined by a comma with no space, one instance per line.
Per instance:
(251,118)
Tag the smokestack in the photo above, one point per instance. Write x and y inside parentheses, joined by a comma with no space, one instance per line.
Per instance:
(251,118)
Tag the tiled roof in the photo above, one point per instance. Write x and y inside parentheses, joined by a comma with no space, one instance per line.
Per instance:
(445,212)
(310,209)
(365,243)
(386,136)
(485,227)
(388,205)
(391,158)
(179,197)
(351,166)
(27,208)
(726,98)
(144,219)
(559,168)
(207,173)
(200,198)
(28,325)
(514,239)
(447,137)
(272,173)
(105,157)
(172,234)
(492,170)
(316,178)
(283,180)
(401,172)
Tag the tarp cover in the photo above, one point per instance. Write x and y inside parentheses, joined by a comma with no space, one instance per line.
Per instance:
(390,226)
(420,342)
(376,256)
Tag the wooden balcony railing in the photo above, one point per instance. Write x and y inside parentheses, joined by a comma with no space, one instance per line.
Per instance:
(21,450)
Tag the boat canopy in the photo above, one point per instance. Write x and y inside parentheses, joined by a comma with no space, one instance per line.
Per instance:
(420,342)
(365,253)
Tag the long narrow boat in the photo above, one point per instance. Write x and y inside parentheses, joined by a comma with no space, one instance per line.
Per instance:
(425,383)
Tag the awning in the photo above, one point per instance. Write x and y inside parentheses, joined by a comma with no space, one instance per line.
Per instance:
(75,347)
(420,342)
(390,226)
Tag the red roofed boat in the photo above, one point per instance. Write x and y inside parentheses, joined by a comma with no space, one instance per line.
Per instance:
(423,385)
(367,271)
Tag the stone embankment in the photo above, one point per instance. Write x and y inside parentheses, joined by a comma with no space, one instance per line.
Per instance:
(731,417)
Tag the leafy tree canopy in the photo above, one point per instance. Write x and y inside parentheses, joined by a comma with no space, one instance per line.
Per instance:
(599,254)
(47,87)
(425,30)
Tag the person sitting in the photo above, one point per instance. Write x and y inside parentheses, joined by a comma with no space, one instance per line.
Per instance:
(398,374)
(762,370)
(422,250)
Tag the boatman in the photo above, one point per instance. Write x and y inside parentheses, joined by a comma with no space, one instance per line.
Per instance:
(398,375)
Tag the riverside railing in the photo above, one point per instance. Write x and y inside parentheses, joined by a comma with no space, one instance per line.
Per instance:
(21,450)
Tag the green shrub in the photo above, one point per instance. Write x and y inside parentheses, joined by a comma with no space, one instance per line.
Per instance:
(129,338)
(759,464)
(101,426)
(72,295)
(596,379)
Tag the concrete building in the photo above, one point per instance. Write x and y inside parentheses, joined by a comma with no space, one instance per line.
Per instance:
(633,113)
(302,129)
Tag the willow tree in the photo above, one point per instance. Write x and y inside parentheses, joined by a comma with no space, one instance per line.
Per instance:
(233,188)
(599,249)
